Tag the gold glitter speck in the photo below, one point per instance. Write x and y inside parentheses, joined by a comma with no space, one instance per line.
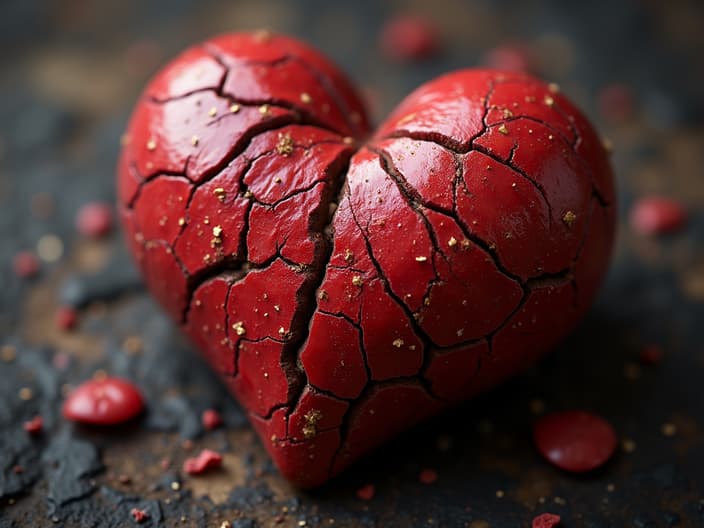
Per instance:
(285,144)
(213,112)
(421,259)
(569,218)
(452,242)
(238,327)
(503,129)
(357,280)
(234,108)
(398,343)
(151,144)
(306,98)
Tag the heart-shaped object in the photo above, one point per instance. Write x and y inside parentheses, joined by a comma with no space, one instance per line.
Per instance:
(346,288)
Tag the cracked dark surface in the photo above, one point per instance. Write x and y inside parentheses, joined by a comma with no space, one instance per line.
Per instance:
(489,449)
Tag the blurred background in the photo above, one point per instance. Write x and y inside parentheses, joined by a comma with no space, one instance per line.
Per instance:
(70,71)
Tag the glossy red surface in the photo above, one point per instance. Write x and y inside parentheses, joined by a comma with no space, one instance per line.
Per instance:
(575,441)
(107,401)
(546,520)
(347,286)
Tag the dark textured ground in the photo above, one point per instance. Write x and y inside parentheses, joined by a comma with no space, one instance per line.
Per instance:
(70,71)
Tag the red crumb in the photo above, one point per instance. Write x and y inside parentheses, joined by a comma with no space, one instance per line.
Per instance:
(546,520)
(366,492)
(139,515)
(654,215)
(94,219)
(514,57)
(427,476)
(104,401)
(206,460)
(650,355)
(165,463)
(575,441)
(25,264)
(17,469)
(211,419)
(409,38)
(66,318)
(616,102)
(34,426)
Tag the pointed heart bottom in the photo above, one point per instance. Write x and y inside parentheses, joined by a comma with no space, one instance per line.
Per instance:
(346,288)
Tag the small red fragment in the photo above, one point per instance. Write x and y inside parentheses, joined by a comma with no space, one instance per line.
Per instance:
(409,38)
(515,57)
(207,459)
(139,515)
(211,419)
(34,426)
(25,264)
(66,318)
(651,355)
(654,215)
(616,102)
(17,469)
(575,441)
(106,401)
(427,476)
(546,520)
(94,219)
(366,492)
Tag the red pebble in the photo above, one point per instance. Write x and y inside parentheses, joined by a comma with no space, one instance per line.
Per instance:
(139,515)
(211,419)
(34,426)
(546,520)
(409,38)
(17,469)
(650,355)
(366,492)
(575,441)
(427,476)
(509,57)
(25,264)
(206,460)
(107,401)
(66,318)
(94,220)
(616,102)
(656,215)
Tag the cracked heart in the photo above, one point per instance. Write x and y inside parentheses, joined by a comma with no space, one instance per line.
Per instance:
(347,284)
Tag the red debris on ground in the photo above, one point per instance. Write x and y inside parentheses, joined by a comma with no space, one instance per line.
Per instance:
(366,492)
(546,520)
(211,419)
(651,355)
(515,57)
(655,215)
(408,38)
(105,401)
(207,459)
(25,264)
(17,469)
(427,476)
(139,515)
(616,102)
(34,426)
(66,318)
(575,441)
(94,219)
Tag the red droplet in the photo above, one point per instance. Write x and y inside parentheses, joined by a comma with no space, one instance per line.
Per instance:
(546,520)
(616,102)
(575,441)
(106,401)
(650,355)
(366,492)
(514,57)
(427,476)
(34,426)
(66,318)
(94,220)
(25,264)
(655,215)
(408,38)
(206,460)
(139,515)
(211,419)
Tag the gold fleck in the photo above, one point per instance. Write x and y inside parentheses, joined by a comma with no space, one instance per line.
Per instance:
(217,231)
(50,248)
(226,524)
(8,353)
(264,110)
(234,108)
(503,129)
(452,242)
(282,330)
(559,500)
(239,329)
(554,87)
(608,145)
(306,98)
(549,100)
(220,193)
(285,144)
(610,487)
(569,218)
(398,343)
(323,295)
(213,112)
(357,280)
(349,256)
(348,140)
(421,259)
(551,137)
(466,244)
(194,141)
(277,308)
(151,144)
(312,418)
(668,429)
(262,35)
(248,194)
(132,344)
(175,485)
(182,221)
(500,494)
(628,445)
(277,180)
(26,393)
(507,113)
(529,99)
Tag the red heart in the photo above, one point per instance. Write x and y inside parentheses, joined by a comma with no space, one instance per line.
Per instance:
(347,288)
